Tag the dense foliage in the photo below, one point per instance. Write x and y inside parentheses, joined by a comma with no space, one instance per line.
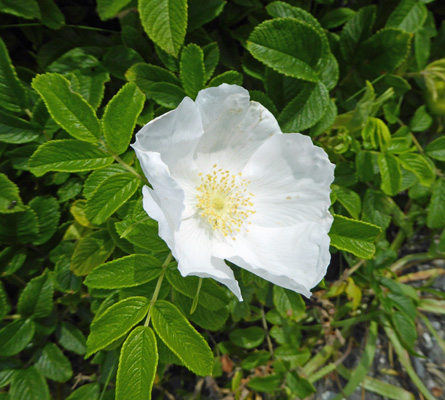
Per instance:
(91,303)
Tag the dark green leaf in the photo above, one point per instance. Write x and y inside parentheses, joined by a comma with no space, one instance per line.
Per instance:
(53,364)
(229,77)
(109,8)
(10,201)
(288,303)
(48,215)
(28,384)
(52,17)
(421,120)
(436,209)
(89,391)
(17,130)
(409,16)
(166,94)
(436,149)
(15,336)
(267,384)
(36,299)
(192,69)
(248,338)
(390,173)
(405,328)
(71,338)
(199,13)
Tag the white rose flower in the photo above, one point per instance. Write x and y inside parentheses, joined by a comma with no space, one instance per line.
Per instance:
(229,185)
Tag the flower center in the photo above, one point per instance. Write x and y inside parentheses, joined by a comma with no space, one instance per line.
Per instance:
(223,200)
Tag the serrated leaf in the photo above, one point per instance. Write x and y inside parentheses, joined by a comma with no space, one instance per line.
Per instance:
(181,338)
(100,175)
(19,227)
(91,251)
(53,364)
(90,391)
(166,94)
(137,365)
(199,13)
(385,50)
(356,237)
(288,303)
(10,201)
(420,166)
(436,149)
(165,22)
(109,8)
(67,108)
(29,384)
(436,209)
(120,117)
(229,77)
(115,322)
(129,271)
(36,299)
(145,75)
(306,109)
(12,93)
(409,16)
(192,69)
(71,338)
(68,156)
(91,84)
(109,196)
(349,200)
(48,215)
(15,336)
(272,43)
(211,58)
(248,338)
(390,173)
(17,130)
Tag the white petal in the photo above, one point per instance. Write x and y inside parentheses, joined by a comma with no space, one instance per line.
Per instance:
(193,251)
(294,257)
(234,127)
(290,179)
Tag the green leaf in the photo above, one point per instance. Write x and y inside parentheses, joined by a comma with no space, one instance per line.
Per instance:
(211,58)
(91,84)
(409,15)
(376,134)
(144,75)
(165,22)
(109,196)
(420,166)
(100,175)
(288,303)
(181,338)
(390,173)
(120,117)
(137,365)
(53,364)
(71,338)
(229,77)
(15,336)
(109,8)
(273,43)
(349,200)
(5,307)
(356,237)
(166,94)
(36,299)
(356,30)
(24,8)
(406,329)
(52,17)
(436,209)
(115,322)
(118,59)
(67,156)
(326,121)
(248,338)
(28,384)
(306,109)
(89,391)
(385,50)
(67,108)
(19,227)
(17,130)
(300,386)
(436,149)
(129,271)
(91,251)
(199,12)
(267,384)
(10,201)
(48,215)
(192,69)
(211,295)
(337,17)
(421,120)
(12,94)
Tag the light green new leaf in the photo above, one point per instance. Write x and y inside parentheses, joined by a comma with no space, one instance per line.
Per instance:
(165,22)
(109,8)
(390,173)
(436,149)
(192,69)
(29,384)
(356,237)
(420,165)
(53,364)
(66,107)
(273,43)
(12,92)
(36,299)
(109,196)
(91,251)
(115,322)
(15,336)
(129,271)
(181,338)
(409,16)
(17,130)
(48,215)
(306,109)
(68,156)
(349,200)
(137,365)
(436,209)
(376,133)
(120,117)
(10,201)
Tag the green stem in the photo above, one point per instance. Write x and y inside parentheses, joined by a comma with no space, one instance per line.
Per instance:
(158,287)
(398,240)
